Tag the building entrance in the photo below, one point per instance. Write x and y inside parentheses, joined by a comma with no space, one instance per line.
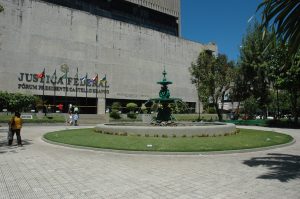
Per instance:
(61,104)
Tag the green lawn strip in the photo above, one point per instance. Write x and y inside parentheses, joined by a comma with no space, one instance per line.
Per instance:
(44,119)
(244,140)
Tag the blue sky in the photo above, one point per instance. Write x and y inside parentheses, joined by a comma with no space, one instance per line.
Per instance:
(221,21)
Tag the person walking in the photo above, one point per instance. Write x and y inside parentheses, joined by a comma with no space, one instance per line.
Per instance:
(76,109)
(75,119)
(70,119)
(60,107)
(16,125)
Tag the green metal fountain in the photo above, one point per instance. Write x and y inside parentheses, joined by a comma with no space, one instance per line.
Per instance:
(164,113)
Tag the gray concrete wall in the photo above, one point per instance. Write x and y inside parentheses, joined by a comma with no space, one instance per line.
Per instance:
(34,35)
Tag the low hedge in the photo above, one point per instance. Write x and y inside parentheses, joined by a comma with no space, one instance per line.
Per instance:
(266,123)
(282,124)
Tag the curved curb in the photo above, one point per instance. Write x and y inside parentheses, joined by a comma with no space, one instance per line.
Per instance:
(293,141)
(190,129)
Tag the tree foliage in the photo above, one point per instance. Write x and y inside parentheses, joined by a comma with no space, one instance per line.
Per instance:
(240,89)
(284,15)
(281,100)
(266,64)
(254,64)
(285,74)
(16,101)
(250,107)
(179,107)
(212,77)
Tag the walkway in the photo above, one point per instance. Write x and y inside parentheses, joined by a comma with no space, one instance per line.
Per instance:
(41,170)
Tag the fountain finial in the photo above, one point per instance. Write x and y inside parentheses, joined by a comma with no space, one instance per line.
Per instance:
(164,74)
(164,81)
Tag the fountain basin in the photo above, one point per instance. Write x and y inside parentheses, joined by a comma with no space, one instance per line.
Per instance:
(187,129)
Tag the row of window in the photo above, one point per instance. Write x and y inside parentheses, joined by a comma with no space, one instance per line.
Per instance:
(126,12)
(156,6)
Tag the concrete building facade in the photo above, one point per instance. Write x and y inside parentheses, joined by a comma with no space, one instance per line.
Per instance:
(38,34)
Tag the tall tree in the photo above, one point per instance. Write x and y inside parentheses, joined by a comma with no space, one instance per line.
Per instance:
(205,60)
(212,77)
(284,15)
(254,62)
(285,74)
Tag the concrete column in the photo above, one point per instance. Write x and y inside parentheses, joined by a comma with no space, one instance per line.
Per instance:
(101,106)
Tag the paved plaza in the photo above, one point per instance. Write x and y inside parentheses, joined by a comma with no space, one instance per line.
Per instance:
(42,170)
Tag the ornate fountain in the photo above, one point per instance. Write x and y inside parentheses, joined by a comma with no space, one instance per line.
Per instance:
(164,113)
(163,125)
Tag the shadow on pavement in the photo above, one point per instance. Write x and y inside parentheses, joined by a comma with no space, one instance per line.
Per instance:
(4,148)
(283,167)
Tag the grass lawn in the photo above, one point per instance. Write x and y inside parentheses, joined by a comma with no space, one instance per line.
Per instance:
(51,118)
(244,140)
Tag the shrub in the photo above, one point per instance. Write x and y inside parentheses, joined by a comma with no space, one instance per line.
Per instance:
(16,101)
(131,106)
(115,115)
(131,115)
(143,108)
(116,106)
(154,107)
(179,107)
(282,124)
(211,110)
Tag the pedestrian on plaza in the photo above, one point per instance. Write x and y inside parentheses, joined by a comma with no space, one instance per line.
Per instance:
(75,119)
(60,107)
(76,109)
(70,108)
(15,125)
(70,119)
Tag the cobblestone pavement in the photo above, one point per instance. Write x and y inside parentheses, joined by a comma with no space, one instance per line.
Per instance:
(43,170)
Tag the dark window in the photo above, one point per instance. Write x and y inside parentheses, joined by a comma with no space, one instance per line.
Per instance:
(125,11)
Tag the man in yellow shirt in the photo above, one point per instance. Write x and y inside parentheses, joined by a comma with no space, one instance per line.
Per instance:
(16,125)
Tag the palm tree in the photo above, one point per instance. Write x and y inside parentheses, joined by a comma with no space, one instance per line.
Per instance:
(285,16)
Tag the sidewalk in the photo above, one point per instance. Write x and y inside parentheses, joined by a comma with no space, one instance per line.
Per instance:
(42,170)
